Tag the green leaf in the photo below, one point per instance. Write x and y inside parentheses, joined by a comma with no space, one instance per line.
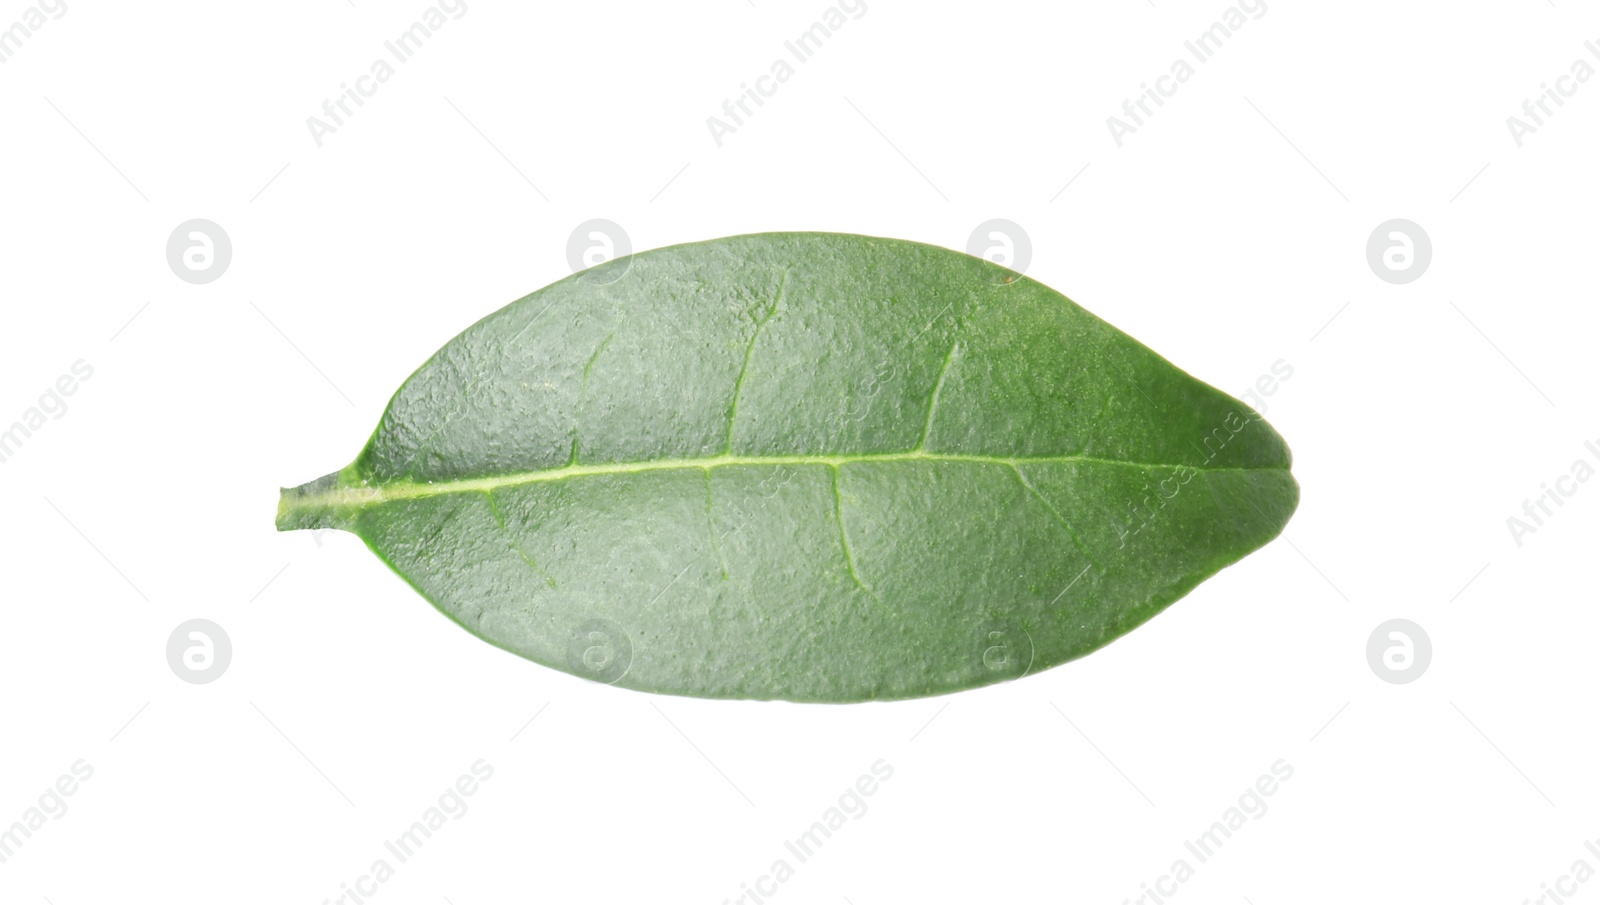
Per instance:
(805,466)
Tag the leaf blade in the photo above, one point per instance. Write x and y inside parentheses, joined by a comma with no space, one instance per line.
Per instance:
(814,467)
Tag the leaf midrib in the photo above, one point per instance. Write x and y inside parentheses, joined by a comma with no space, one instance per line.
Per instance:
(368,494)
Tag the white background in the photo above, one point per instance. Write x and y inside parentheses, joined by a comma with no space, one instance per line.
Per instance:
(1227,233)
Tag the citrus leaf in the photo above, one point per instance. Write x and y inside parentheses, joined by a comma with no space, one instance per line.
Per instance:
(805,466)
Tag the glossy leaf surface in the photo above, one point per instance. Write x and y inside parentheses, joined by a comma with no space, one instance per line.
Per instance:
(806,466)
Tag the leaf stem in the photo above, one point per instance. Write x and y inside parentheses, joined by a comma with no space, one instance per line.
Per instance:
(323,503)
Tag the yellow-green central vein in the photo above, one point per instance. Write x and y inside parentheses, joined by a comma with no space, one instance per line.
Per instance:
(361,496)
